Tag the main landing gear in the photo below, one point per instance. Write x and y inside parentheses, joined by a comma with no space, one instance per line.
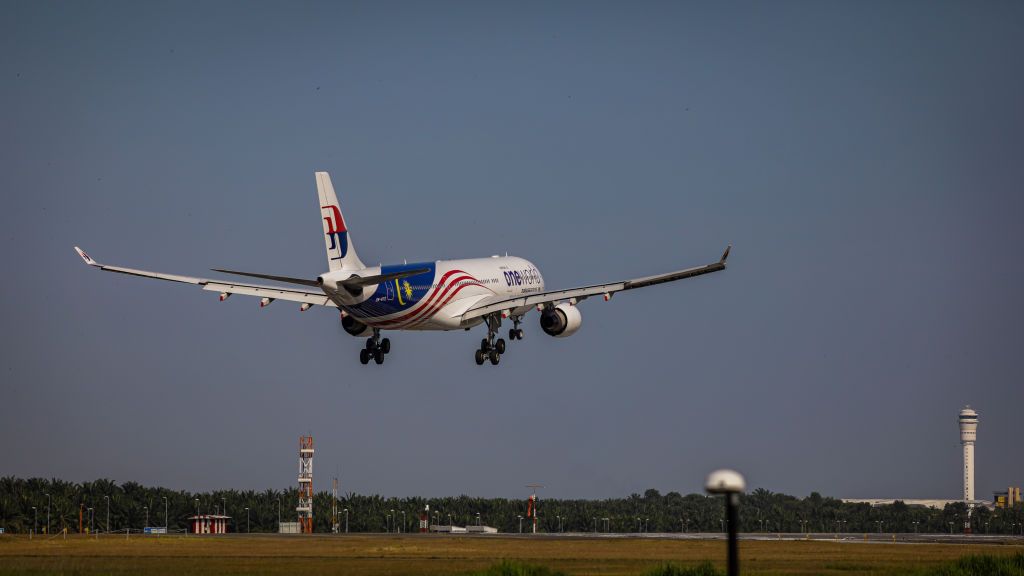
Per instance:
(492,347)
(376,348)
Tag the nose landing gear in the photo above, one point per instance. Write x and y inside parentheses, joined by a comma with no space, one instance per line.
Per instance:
(376,348)
(516,333)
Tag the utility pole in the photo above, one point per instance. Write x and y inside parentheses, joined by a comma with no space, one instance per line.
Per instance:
(730,484)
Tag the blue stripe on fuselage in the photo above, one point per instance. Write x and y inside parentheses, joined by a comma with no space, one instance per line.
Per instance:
(387,300)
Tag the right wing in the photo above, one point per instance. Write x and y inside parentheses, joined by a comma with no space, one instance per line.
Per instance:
(225,288)
(500,304)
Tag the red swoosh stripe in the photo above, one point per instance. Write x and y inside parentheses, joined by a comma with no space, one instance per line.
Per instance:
(454,283)
(424,303)
(441,305)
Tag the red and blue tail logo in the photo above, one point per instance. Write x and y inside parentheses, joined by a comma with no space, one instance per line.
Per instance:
(336,230)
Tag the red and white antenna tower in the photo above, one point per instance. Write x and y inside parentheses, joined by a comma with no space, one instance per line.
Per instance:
(305,507)
(334,506)
(531,505)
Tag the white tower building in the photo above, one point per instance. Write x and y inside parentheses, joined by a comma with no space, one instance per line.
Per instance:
(968,434)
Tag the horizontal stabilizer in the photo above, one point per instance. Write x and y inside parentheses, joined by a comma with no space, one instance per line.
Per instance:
(287,279)
(359,282)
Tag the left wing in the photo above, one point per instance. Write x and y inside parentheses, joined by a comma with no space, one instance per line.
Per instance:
(225,288)
(493,306)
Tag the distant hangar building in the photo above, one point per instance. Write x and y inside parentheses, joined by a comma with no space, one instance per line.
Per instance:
(1008,498)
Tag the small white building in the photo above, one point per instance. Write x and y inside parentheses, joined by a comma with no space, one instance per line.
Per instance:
(448,529)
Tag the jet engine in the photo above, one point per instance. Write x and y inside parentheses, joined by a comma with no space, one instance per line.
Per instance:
(561,321)
(355,327)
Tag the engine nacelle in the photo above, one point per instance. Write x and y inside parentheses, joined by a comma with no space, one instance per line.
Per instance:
(561,321)
(355,327)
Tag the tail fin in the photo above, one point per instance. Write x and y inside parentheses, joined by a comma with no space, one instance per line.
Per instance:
(341,254)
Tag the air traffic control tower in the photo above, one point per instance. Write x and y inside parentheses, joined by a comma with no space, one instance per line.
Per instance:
(968,434)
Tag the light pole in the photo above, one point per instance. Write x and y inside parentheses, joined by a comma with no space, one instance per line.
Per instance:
(392,519)
(594,518)
(246,519)
(346,520)
(730,484)
(165,513)
(47,531)
(478,519)
(91,523)
(520,524)
(224,512)
(35,520)
(403,522)
(950,527)
(146,509)
(916,522)
(107,498)
(197,516)
(279,514)
(559,523)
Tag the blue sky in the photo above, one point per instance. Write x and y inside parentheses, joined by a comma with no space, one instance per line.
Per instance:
(862,158)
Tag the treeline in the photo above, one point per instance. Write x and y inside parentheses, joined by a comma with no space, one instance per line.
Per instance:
(24,505)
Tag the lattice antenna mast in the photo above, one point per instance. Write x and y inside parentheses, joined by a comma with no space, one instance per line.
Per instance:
(531,507)
(305,507)
(334,506)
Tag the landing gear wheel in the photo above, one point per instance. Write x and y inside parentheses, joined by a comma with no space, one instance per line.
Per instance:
(500,346)
(385,345)
(378,356)
(495,357)
(512,334)
(364,356)
(485,345)
(519,334)
(479,357)
(371,344)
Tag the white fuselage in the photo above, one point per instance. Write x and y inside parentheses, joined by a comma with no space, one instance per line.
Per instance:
(436,299)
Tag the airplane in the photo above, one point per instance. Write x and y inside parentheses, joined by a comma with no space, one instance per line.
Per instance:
(440,295)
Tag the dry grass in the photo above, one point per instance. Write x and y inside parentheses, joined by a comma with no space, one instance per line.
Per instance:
(439,555)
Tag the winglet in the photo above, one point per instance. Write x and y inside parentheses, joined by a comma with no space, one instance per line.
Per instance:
(725,255)
(86,257)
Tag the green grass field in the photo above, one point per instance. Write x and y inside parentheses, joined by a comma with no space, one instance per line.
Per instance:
(432,555)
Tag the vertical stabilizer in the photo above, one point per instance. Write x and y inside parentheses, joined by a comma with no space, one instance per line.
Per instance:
(341,254)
